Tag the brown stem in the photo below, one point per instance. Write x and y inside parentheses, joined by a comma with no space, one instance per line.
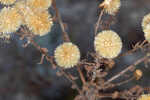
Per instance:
(98,21)
(142,45)
(127,69)
(126,81)
(65,35)
(81,75)
(50,59)
(67,76)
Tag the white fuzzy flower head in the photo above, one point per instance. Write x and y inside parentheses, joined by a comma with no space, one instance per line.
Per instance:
(10,20)
(108,44)
(111,6)
(67,55)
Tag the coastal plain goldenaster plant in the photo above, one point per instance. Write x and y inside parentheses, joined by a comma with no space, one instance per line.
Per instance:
(108,44)
(111,6)
(67,55)
(144,97)
(10,20)
(39,23)
(7,2)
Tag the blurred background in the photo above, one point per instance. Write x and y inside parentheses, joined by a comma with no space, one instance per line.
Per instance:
(22,78)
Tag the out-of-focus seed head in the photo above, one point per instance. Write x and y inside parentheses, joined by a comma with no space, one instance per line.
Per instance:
(145,21)
(138,74)
(111,6)
(41,4)
(108,44)
(144,97)
(39,23)
(67,55)
(7,2)
(147,33)
(10,20)
(146,27)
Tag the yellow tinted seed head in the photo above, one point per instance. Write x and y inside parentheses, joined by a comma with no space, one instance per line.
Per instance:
(146,27)
(147,33)
(111,6)
(39,23)
(10,20)
(39,4)
(145,21)
(23,9)
(108,44)
(67,55)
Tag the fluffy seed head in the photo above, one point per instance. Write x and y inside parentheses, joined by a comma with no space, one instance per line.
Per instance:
(10,20)
(144,97)
(108,44)
(145,21)
(7,2)
(39,23)
(111,6)
(23,9)
(146,26)
(67,55)
(42,4)
(147,32)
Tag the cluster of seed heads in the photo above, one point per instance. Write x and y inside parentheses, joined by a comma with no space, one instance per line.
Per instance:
(35,16)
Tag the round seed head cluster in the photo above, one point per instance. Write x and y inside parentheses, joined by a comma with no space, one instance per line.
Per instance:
(7,2)
(67,55)
(39,23)
(146,26)
(108,44)
(144,97)
(10,20)
(42,4)
(111,6)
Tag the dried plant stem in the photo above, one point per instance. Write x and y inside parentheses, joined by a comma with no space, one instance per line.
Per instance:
(98,21)
(50,59)
(126,81)
(81,75)
(127,69)
(73,82)
(112,95)
(136,48)
(65,35)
